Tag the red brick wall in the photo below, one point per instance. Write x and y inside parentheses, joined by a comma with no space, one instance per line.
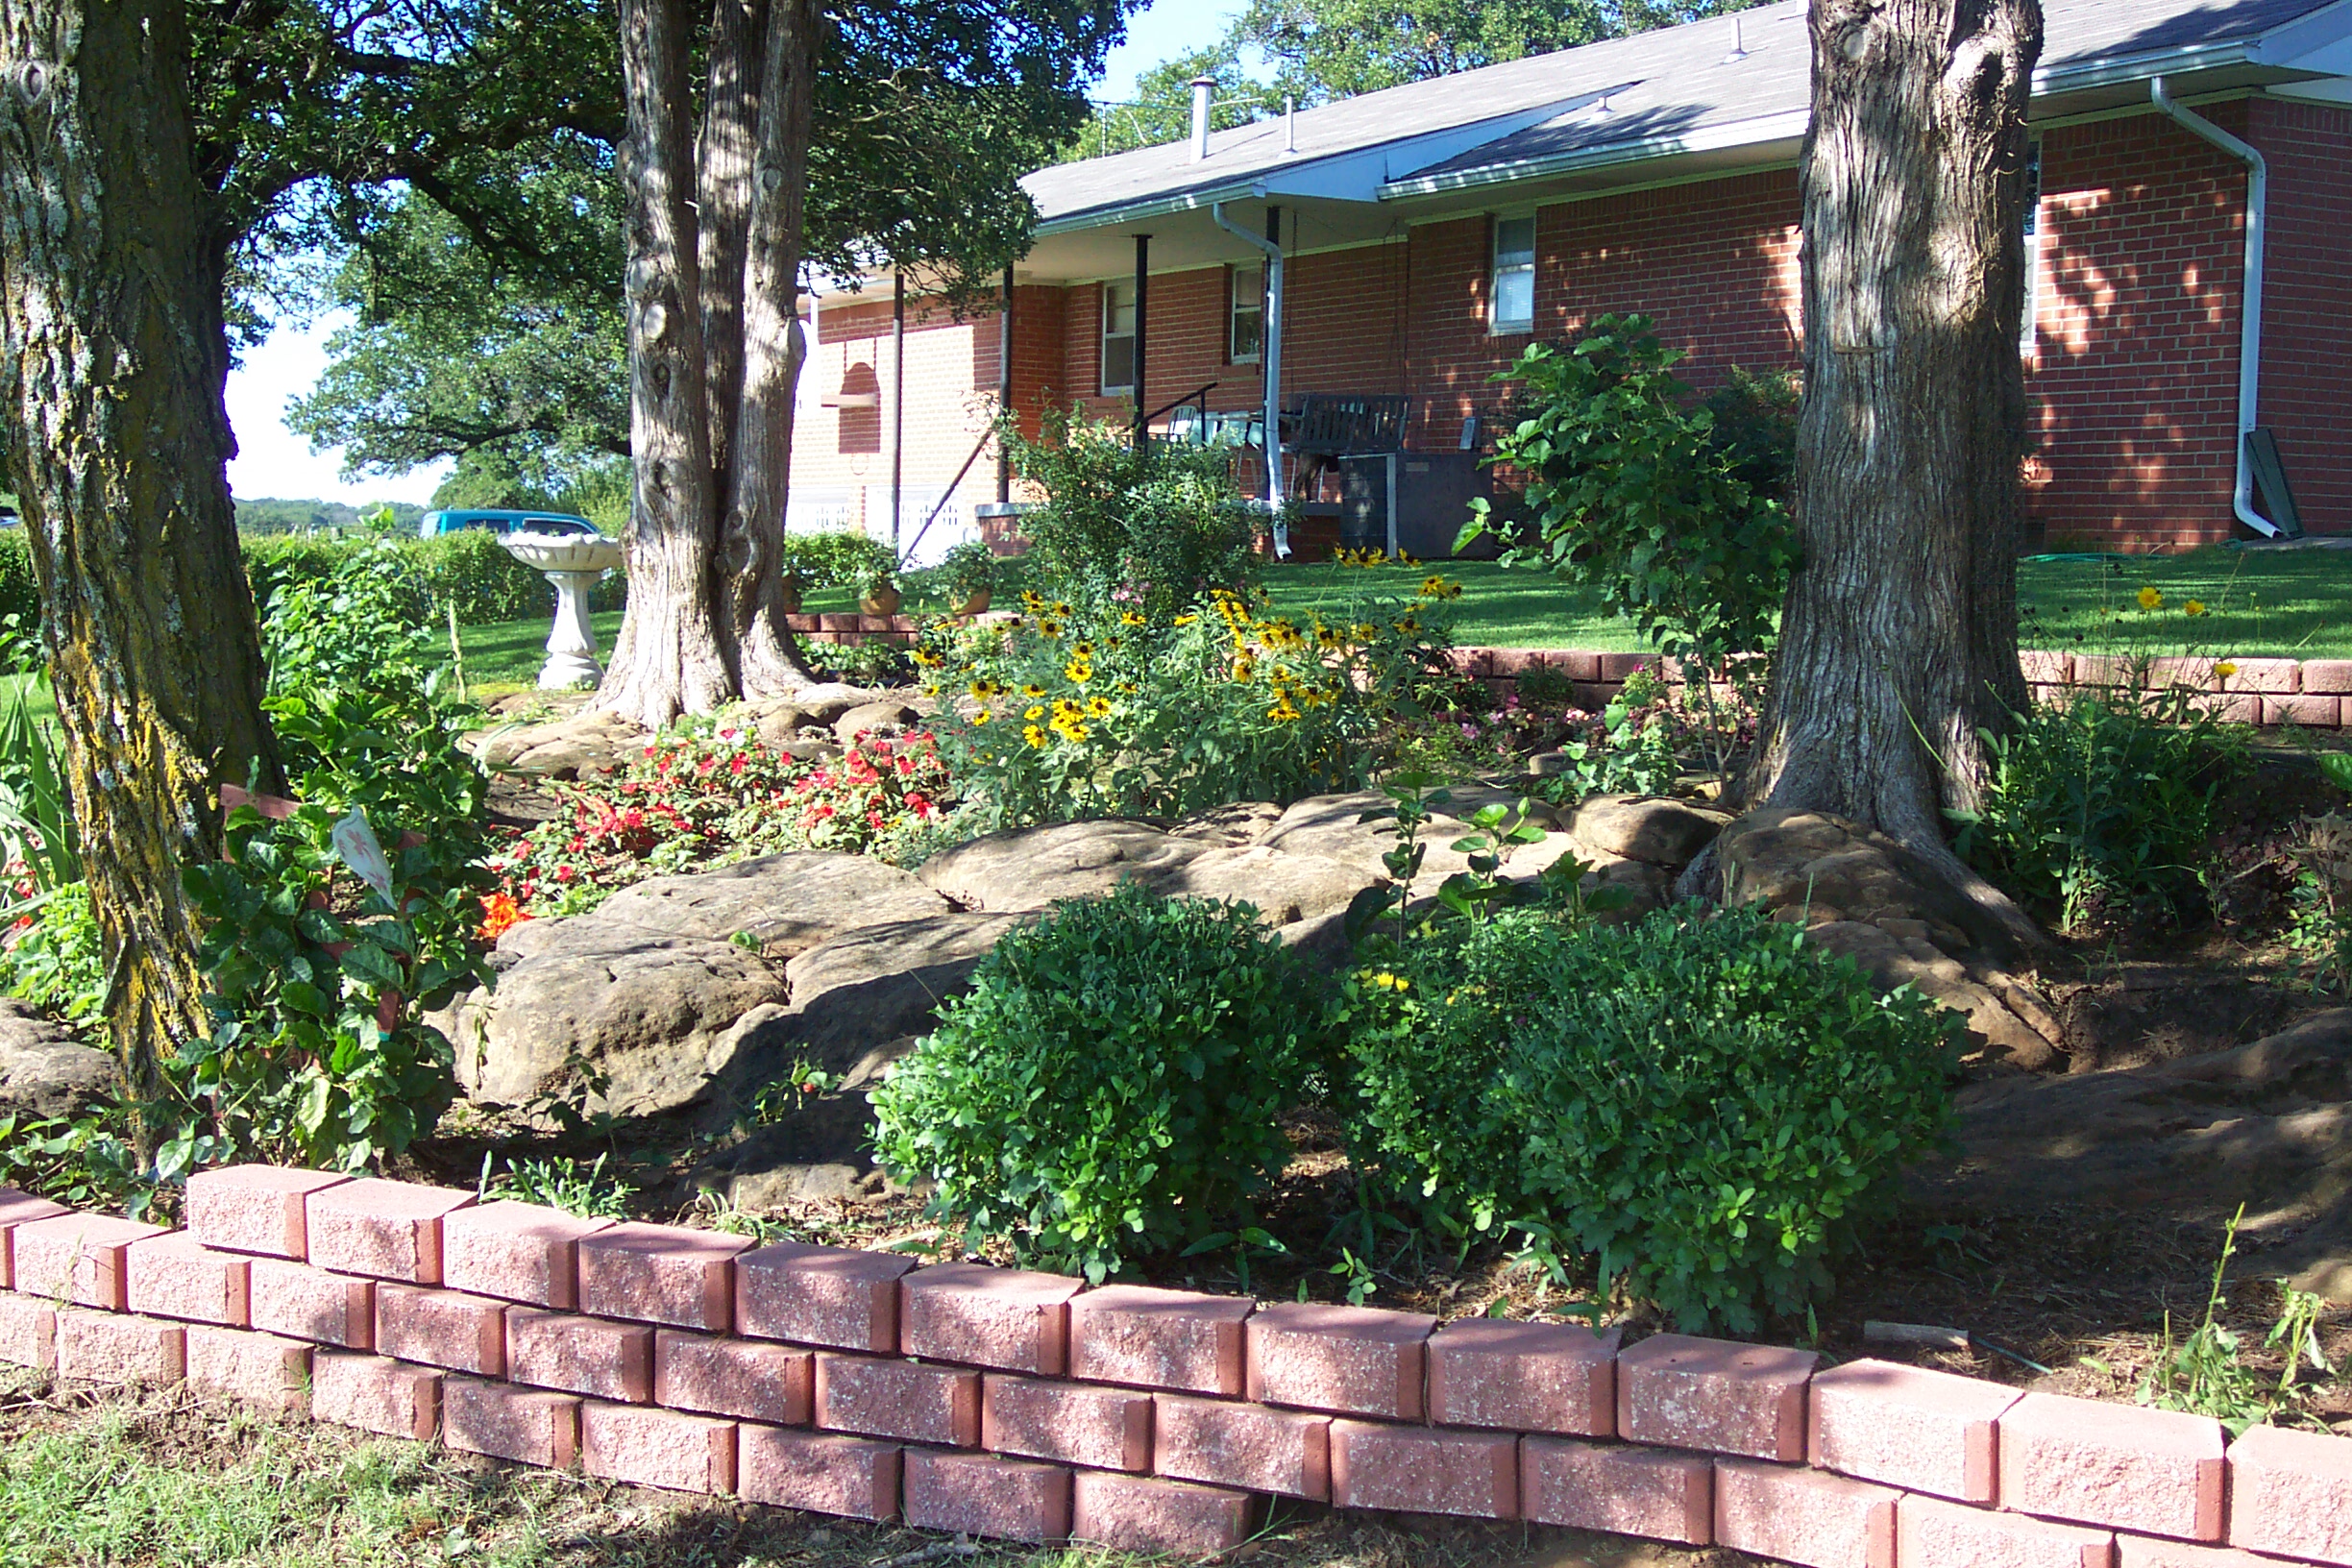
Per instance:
(2134,374)
(2307,301)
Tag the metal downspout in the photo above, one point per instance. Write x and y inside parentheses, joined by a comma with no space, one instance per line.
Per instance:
(2251,311)
(1271,351)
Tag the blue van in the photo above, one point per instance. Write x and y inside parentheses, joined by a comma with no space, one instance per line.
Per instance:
(503,522)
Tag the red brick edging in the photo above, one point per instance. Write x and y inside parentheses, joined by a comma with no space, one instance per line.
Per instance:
(1002,1402)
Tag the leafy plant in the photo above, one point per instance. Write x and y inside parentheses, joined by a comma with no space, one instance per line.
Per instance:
(965,571)
(1755,429)
(1154,527)
(2103,805)
(835,559)
(1701,1101)
(1632,492)
(2206,1374)
(1085,708)
(87,1162)
(51,956)
(36,822)
(2320,925)
(1112,1086)
(590,1192)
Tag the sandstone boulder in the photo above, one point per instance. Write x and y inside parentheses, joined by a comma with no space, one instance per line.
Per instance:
(1028,869)
(887,716)
(654,1015)
(1661,831)
(790,902)
(44,1070)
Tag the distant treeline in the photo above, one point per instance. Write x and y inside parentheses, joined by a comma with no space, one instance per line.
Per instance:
(267,514)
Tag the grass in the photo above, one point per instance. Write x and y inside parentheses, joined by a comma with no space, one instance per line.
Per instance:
(2289,605)
(165,1480)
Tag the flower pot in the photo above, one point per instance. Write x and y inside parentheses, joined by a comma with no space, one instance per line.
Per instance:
(883,601)
(790,590)
(976,605)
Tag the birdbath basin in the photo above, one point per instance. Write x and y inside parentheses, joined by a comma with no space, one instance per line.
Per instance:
(573,563)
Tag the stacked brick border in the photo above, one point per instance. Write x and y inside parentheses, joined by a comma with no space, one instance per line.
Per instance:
(1024,1406)
(2315,694)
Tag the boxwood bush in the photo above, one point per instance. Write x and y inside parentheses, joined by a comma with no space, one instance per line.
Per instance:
(1703,1101)
(1111,1088)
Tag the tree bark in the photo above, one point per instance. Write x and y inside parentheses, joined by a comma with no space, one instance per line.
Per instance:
(114,372)
(1898,642)
(714,351)
(772,350)
(669,658)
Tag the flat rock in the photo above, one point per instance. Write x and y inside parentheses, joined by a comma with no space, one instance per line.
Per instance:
(1660,830)
(2268,1125)
(2000,1012)
(565,748)
(790,902)
(858,1003)
(1029,867)
(1284,888)
(1839,870)
(1230,826)
(654,1015)
(889,716)
(44,1070)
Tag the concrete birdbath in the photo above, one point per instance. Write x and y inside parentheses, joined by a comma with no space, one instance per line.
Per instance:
(573,563)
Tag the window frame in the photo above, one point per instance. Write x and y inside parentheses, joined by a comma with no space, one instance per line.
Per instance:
(1234,307)
(2029,322)
(1496,324)
(1106,337)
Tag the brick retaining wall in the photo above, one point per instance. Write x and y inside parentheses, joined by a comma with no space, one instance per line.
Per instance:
(2315,694)
(1023,1406)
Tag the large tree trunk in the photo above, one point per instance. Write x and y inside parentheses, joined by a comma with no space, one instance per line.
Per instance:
(1898,644)
(714,351)
(669,658)
(109,319)
(772,350)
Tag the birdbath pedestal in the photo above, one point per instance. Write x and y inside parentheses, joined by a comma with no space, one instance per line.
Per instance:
(573,563)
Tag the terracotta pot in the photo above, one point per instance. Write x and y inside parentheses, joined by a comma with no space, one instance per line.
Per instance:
(790,591)
(882,600)
(976,605)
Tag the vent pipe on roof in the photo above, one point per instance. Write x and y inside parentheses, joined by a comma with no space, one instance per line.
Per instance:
(1739,45)
(2250,305)
(1202,88)
(1290,123)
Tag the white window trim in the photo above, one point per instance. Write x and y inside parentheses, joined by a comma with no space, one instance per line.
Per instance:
(1232,306)
(1102,346)
(1496,326)
(2029,319)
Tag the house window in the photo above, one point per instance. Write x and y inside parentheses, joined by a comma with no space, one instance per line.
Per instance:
(2029,322)
(1512,301)
(1119,338)
(1245,330)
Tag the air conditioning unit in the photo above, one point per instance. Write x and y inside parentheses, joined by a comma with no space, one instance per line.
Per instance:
(1413,502)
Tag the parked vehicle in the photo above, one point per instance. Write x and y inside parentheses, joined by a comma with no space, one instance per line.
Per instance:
(503,522)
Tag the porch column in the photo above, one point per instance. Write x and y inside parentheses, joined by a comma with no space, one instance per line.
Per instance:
(1143,283)
(1004,387)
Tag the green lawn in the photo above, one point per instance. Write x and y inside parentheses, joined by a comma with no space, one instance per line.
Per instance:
(2287,604)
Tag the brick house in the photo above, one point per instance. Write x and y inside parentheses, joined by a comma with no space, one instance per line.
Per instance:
(1425,234)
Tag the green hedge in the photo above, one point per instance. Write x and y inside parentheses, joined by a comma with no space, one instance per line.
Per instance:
(469,570)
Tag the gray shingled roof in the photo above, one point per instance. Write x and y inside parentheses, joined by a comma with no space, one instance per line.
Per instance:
(1667,86)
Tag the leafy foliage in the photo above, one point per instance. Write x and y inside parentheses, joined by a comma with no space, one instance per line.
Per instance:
(2102,806)
(2321,923)
(1154,528)
(52,957)
(1701,1101)
(695,801)
(835,559)
(1111,1088)
(1631,493)
(1094,709)
(1755,428)
(2205,1372)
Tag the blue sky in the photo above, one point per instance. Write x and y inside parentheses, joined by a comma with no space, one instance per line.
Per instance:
(274,461)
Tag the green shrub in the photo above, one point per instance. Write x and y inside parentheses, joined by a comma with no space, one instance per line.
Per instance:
(836,559)
(1158,529)
(1631,493)
(1701,1101)
(467,572)
(2102,807)
(1755,429)
(1111,1088)
(20,589)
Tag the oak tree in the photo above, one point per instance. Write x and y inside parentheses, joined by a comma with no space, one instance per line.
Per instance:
(1898,644)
